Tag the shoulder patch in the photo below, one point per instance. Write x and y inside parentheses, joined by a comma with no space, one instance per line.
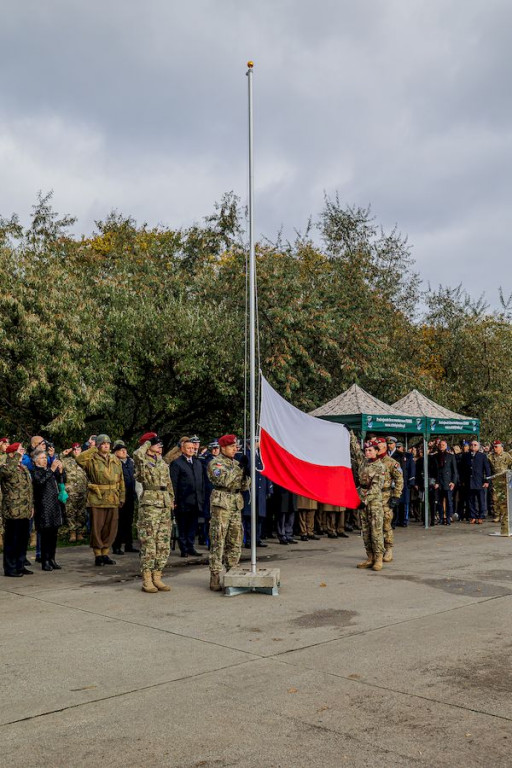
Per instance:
(217,472)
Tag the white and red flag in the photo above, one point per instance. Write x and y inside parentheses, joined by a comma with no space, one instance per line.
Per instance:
(303,454)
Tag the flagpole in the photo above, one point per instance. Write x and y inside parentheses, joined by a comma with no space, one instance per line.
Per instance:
(252,325)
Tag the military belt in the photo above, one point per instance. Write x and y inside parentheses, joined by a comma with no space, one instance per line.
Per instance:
(226,490)
(155,487)
(94,486)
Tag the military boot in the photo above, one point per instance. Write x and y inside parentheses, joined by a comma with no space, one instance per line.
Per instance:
(215,582)
(388,556)
(147,582)
(159,584)
(377,566)
(368,562)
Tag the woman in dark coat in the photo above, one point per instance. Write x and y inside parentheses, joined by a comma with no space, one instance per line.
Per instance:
(48,514)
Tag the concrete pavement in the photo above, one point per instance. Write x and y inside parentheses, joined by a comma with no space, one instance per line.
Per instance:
(407,667)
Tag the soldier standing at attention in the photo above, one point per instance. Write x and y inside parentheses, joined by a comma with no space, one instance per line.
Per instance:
(391,493)
(371,475)
(76,487)
(226,532)
(105,494)
(155,511)
(17,510)
(500,461)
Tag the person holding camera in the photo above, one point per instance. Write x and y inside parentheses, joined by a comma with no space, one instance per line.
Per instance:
(48,485)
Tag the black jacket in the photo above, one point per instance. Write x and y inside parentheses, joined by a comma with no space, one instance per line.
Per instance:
(47,507)
(445,470)
(476,470)
(188,483)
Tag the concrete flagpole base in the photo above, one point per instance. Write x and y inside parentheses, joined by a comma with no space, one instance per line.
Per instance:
(239,580)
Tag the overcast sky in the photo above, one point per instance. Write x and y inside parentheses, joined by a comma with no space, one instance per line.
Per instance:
(141,106)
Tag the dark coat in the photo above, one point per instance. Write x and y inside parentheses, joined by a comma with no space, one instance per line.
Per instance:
(188,483)
(129,483)
(208,485)
(48,511)
(445,471)
(263,490)
(476,469)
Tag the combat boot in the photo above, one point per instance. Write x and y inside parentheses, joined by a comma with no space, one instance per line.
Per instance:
(215,582)
(377,566)
(159,584)
(72,536)
(147,582)
(388,556)
(368,562)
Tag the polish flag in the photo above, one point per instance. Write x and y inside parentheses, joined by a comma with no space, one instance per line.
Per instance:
(305,455)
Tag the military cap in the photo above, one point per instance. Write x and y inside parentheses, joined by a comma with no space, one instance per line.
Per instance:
(391,439)
(227,440)
(399,443)
(75,445)
(371,444)
(214,444)
(100,439)
(146,436)
(118,444)
(194,439)
(497,442)
(380,440)
(13,447)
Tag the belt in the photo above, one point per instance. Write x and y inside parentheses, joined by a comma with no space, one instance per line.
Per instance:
(102,487)
(155,487)
(226,490)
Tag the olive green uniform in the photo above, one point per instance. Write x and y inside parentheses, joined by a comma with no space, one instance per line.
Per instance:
(499,466)
(226,504)
(76,487)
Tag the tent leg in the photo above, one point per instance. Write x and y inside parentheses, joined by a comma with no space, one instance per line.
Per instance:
(425,477)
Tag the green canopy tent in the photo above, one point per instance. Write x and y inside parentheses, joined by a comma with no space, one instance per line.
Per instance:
(438,420)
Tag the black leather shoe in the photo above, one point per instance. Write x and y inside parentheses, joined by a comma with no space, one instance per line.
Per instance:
(38,558)
(26,572)
(261,544)
(108,561)
(117,551)
(13,575)
(304,538)
(349,528)
(314,537)
(27,562)
(184,554)
(55,566)
(46,567)
(98,560)
(332,535)
(343,535)
(195,553)
(130,549)
(283,541)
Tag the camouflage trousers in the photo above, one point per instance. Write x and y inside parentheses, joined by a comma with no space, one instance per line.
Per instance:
(499,497)
(371,526)
(154,530)
(389,537)
(76,514)
(226,534)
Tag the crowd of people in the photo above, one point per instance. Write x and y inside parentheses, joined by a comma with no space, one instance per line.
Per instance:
(200,495)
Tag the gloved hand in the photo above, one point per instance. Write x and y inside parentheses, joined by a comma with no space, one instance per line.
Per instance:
(393,502)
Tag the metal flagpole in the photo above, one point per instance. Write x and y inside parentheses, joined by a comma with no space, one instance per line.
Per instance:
(252,326)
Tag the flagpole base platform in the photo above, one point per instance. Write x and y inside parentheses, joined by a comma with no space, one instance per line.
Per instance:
(503,535)
(240,580)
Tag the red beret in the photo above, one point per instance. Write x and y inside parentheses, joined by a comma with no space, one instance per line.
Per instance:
(371,444)
(380,440)
(13,447)
(497,442)
(147,436)
(4,439)
(76,445)
(227,440)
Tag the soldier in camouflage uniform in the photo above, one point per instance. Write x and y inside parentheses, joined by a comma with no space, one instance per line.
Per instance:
(370,473)
(226,503)
(76,487)
(4,442)
(500,462)
(391,492)
(155,511)
(17,510)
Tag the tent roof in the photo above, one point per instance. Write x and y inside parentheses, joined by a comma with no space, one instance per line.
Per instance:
(356,400)
(416,404)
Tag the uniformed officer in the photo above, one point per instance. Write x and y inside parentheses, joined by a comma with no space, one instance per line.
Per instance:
(391,493)
(155,511)
(229,479)
(500,462)
(371,475)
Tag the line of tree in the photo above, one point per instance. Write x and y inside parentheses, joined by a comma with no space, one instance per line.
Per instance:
(136,327)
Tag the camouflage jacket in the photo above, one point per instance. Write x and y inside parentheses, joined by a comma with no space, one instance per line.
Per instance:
(394,482)
(76,478)
(227,477)
(17,495)
(152,473)
(105,478)
(3,459)
(372,475)
(500,464)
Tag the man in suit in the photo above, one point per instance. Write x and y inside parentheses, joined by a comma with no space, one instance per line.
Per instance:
(446,478)
(187,477)
(476,469)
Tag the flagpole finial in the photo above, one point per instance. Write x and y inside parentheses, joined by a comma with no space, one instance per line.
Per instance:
(250,64)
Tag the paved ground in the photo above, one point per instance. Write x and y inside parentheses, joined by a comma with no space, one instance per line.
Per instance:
(407,667)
